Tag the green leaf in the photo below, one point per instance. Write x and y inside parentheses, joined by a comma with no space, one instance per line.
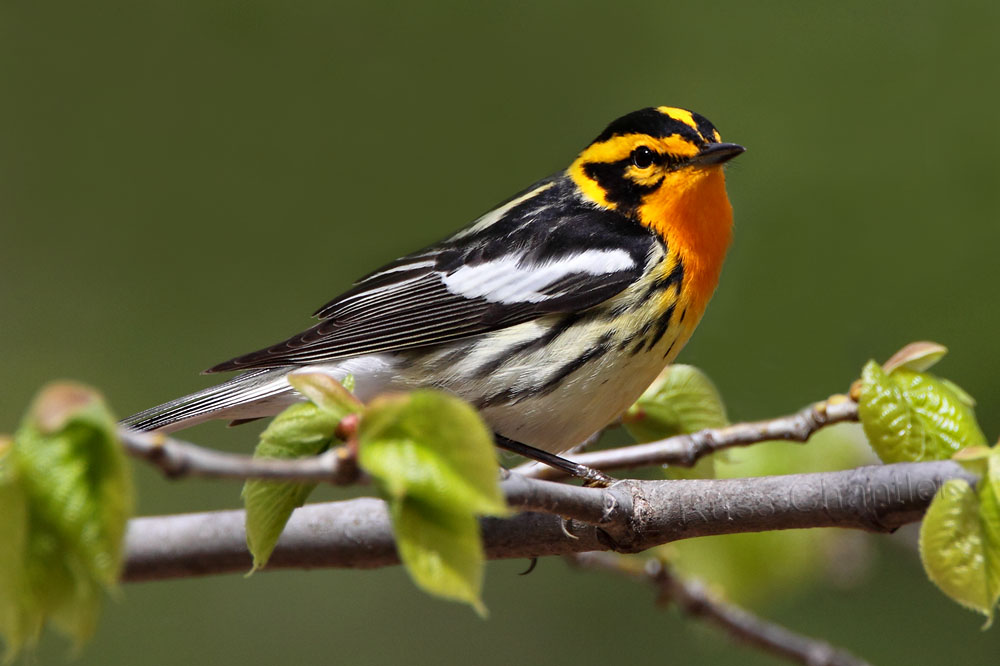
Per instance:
(960,545)
(431,446)
(975,459)
(304,429)
(69,492)
(434,462)
(682,400)
(992,476)
(441,549)
(20,619)
(348,383)
(914,416)
(961,393)
(989,518)
(326,392)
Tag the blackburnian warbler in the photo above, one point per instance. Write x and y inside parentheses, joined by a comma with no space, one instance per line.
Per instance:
(551,313)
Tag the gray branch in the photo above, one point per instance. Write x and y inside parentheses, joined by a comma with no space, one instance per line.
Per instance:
(555,519)
(695,600)
(628,517)
(178,459)
(686,450)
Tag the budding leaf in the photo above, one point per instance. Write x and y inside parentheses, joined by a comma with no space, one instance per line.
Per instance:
(681,400)
(913,416)
(20,620)
(433,447)
(992,477)
(441,549)
(918,356)
(434,461)
(304,429)
(326,392)
(976,459)
(989,518)
(959,392)
(67,495)
(960,544)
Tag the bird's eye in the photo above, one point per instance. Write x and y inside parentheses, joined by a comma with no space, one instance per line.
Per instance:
(643,157)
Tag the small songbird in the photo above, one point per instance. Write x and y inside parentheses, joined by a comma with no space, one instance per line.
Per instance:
(551,313)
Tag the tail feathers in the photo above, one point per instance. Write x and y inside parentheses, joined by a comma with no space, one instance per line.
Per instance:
(248,396)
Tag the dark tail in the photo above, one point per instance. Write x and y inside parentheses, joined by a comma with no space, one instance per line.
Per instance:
(252,395)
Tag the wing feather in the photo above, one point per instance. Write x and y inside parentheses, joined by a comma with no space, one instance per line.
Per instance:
(549,253)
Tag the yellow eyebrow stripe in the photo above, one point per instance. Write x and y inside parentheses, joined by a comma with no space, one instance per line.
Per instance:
(618,147)
(680,115)
(615,148)
(686,117)
(588,186)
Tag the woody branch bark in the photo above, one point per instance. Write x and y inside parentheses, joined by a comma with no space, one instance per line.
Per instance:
(697,601)
(628,517)
(178,459)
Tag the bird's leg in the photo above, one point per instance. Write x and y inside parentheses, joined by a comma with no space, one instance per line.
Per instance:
(591,476)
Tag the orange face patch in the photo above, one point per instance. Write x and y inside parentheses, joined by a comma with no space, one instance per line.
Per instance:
(692,213)
(619,149)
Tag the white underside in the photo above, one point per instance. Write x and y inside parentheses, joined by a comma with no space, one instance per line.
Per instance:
(583,403)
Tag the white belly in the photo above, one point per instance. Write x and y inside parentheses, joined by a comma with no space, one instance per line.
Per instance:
(552,397)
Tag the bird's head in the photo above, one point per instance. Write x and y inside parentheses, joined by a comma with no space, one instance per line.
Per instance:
(646,152)
(662,167)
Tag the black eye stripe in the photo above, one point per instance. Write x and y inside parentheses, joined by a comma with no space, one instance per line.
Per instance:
(616,186)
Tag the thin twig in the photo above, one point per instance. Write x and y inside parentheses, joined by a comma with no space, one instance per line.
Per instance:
(695,600)
(628,517)
(178,459)
(686,450)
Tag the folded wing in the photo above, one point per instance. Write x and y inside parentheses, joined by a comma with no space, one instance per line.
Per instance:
(471,285)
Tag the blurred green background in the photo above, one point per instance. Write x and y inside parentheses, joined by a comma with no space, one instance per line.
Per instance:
(184,181)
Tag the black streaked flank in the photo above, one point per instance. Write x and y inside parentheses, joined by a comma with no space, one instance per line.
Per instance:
(407,360)
(501,358)
(513,396)
(640,337)
(664,282)
(618,310)
(602,347)
(662,324)
(504,397)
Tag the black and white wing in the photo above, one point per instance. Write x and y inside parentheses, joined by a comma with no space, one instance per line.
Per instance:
(529,262)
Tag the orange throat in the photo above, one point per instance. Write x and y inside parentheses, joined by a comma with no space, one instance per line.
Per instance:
(693,215)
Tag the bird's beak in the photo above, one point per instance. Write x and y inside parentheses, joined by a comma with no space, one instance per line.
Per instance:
(716,153)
